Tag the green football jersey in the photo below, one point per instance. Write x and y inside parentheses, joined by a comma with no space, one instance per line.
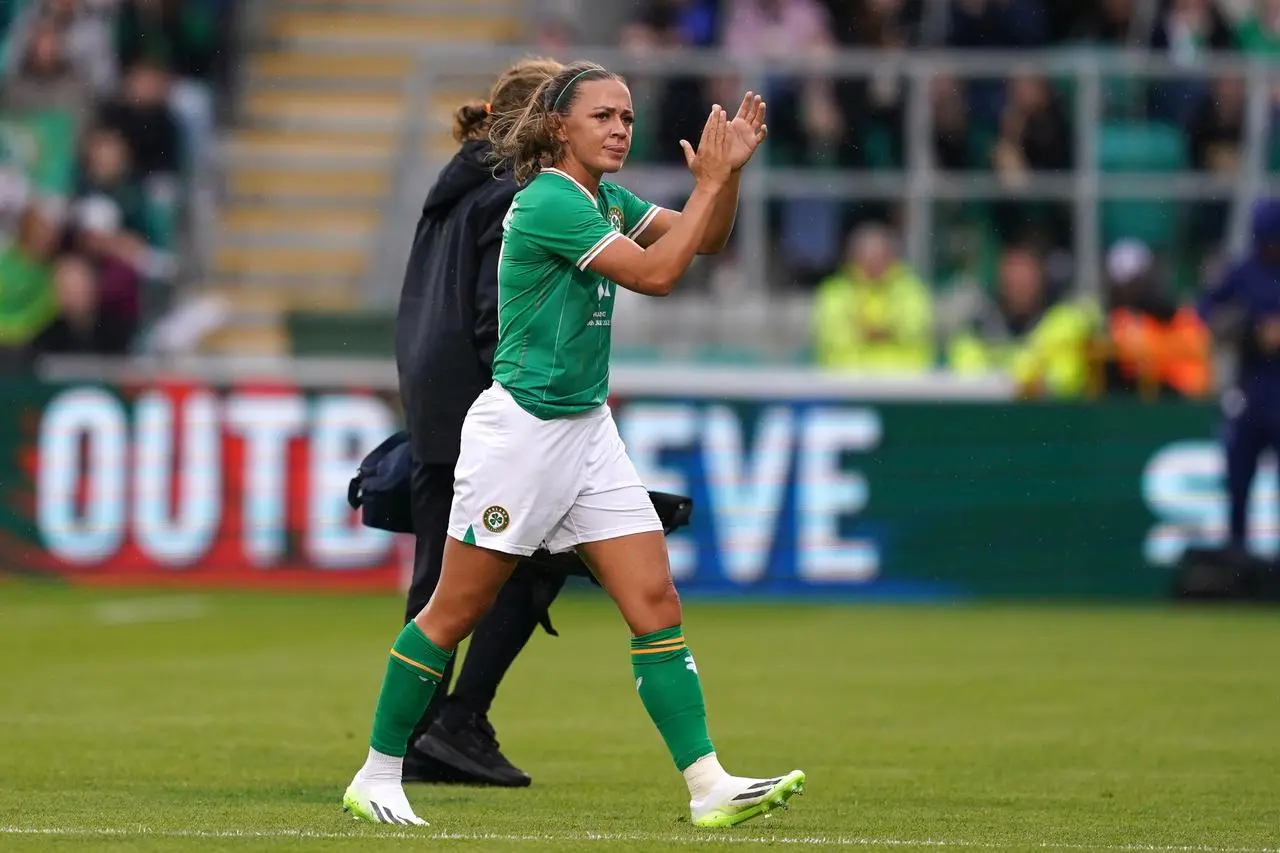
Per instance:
(555,316)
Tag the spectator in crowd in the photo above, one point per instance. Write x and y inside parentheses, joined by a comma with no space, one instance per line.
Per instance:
(1158,347)
(185,38)
(1034,133)
(1215,139)
(106,170)
(995,25)
(887,22)
(875,315)
(877,103)
(84,27)
(142,116)
(1217,127)
(78,327)
(1103,22)
(27,303)
(181,34)
(119,260)
(1259,33)
(1034,136)
(1185,31)
(1041,343)
(45,80)
(953,134)
(807,122)
(62,55)
(556,36)
(15,196)
(682,101)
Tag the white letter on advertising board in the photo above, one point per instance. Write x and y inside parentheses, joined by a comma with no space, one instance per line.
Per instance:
(1184,486)
(266,422)
(826,493)
(176,531)
(747,495)
(648,429)
(69,419)
(346,428)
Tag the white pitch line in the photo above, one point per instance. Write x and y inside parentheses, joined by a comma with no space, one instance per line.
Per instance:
(605,837)
(172,608)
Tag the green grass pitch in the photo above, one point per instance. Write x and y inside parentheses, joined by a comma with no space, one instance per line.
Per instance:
(232,722)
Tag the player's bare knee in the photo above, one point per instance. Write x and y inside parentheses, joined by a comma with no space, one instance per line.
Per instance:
(656,606)
(447,624)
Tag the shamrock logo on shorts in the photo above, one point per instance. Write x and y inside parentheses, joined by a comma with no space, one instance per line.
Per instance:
(496,519)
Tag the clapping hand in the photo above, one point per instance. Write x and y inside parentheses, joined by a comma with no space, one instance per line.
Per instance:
(711,163)
(747,130)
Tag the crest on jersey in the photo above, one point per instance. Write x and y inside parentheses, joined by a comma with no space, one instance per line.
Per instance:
(615,217)
(496,519)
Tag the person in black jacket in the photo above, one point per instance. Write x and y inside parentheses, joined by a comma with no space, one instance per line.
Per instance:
(446,333)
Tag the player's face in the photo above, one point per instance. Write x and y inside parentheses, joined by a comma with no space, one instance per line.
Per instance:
(597,130)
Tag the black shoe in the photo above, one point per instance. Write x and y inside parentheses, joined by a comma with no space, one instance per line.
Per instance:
(468,747)
(422,768)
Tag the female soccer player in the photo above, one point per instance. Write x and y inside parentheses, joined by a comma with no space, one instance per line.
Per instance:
(541,460)
(446,334)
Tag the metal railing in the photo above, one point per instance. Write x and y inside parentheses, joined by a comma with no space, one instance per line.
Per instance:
(920,182)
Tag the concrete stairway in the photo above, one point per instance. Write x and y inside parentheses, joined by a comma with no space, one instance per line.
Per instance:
(310,163)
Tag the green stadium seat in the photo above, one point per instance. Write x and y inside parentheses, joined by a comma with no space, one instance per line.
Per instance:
(1141,147)
(1122,94)
(162,221)
(9,11)
(878,148)
(352,335)
(724,354)
(637,354)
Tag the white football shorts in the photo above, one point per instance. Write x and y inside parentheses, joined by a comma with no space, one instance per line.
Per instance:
(522,483)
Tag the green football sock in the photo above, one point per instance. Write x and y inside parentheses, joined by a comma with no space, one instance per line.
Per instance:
(667,681)
(413,674)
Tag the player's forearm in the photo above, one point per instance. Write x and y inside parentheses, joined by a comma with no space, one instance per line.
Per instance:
(723,215)
(668,258)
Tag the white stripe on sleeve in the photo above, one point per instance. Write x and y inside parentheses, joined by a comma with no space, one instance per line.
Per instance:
(590,254)
(649,215)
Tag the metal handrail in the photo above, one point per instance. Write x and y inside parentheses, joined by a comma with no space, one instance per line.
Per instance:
(920,182)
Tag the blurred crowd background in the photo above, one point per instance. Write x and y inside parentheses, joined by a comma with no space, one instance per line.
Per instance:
(236,178)
(108,109)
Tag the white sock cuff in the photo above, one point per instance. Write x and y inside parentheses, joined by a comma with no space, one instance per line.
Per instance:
(381,767)
(702,775)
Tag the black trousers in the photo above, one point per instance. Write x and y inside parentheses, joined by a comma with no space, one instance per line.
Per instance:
(1249,434)
(503,631)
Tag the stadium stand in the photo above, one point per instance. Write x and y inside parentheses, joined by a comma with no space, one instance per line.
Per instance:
(107,111)
(317,127)
(310,163)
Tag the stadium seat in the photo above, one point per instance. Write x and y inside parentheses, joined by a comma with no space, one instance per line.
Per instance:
(636,354)
(878,148)
(368,334)
(1147,147)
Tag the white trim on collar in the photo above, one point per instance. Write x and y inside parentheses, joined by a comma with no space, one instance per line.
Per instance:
(571,179)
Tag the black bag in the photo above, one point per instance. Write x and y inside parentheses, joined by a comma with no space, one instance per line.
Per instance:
(380,491)
(380,488)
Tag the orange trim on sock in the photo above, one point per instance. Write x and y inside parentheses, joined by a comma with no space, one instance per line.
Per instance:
(679,639)
(673,646)
(423,667)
